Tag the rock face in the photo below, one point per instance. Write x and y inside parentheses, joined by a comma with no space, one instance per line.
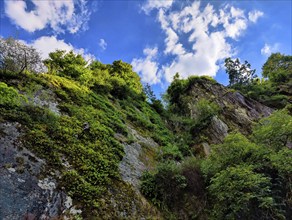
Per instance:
(24,193)
(237,112)
(27,193)
(218,129)
(133,163)
(46,98)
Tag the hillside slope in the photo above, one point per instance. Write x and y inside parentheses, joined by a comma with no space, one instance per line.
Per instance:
(60,140)
(96,149)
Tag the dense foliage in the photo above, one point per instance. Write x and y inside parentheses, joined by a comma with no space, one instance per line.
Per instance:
(245,177)
(275,90)
(96,102)
(239,180)
(278,68)
(9,96)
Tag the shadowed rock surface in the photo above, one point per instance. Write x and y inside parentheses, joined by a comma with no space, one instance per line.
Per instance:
(133,165)
(238,113)
(23,194)
(27,193)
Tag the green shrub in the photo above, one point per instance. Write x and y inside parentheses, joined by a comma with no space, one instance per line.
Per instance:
(191,170)
(81,190)
(202,113)
(282,162)
(119,88)
(236,149)
(124,71)
(9,96)
(205,109)
(165,186)
(274,131)
(176,188)
(240,193)
(170,152)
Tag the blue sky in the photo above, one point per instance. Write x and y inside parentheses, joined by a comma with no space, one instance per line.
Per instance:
(159,38)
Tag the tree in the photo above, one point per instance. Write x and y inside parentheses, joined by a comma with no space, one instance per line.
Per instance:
(235,150)
(165,185)
(239,73)
(66,64)
(278,68)
(240,193)
(17,57)
(124,71)
(274,131)
(149,93)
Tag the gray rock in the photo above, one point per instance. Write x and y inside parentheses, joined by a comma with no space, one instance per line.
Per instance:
(22,194)
(237,111)
(45,98)
(131,167)
(218,129)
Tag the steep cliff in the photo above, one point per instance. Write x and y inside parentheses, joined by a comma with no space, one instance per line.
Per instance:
(69,150)
(214,110)
(236,112)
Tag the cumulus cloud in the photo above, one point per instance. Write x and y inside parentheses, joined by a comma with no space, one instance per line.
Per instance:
(253,16)
(171,41)
(147,67)
(102,44)
(209,34)
(234,21)
(48,44)
(156,4)
(61,15)
(268,49)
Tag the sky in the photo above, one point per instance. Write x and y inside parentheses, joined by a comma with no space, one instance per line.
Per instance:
(157,37)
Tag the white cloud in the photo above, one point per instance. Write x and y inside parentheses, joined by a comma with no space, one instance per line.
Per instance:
(234,22)
(209,50)
(268,49)
(171,41)
(147,68)
(209,34)
(253,16)
(60,15)
(46,45)
(102,44)
(156,4)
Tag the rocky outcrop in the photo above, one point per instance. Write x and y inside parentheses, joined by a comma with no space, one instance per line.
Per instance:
(218,129)
(238,113)
(46,98)
(25,193)
(135,160)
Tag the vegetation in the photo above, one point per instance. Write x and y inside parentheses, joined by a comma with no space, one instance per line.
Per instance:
(96,102)
(245,177)
(177,189)
(239,180)
(17,57)
(275,89)
(9,97)
(239,73)
(278,68)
